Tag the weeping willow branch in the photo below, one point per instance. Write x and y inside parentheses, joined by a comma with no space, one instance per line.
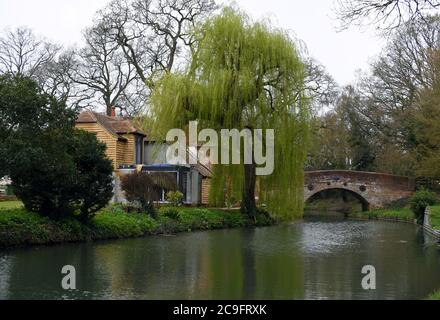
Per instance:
(242,75)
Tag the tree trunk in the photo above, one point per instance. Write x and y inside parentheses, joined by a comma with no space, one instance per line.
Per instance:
(248,204)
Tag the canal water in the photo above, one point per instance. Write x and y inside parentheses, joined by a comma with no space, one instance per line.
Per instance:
(319,258)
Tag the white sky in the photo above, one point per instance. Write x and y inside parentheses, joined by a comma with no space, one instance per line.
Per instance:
(311,20)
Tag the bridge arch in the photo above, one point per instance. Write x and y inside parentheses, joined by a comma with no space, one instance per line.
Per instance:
(364,202)
(374,190)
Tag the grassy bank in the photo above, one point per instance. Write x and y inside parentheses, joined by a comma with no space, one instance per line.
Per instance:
(435,296)
(19,227)
(435,217)
(10,205)
(404,214)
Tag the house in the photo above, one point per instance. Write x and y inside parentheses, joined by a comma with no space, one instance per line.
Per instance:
(123,140)
(130,149)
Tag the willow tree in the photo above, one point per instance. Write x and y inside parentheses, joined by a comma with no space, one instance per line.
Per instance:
(244,75)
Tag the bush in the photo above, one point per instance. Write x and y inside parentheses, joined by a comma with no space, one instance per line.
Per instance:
(234,219)
(146,188)
(419,201)
(200,219)
(93,184)
(435,217)
(55,169)
(21,227)
(175,198)
(170,212)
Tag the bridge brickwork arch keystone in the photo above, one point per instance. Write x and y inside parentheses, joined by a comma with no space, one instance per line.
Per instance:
(374,190)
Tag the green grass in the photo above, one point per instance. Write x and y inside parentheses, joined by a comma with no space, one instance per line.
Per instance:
(397,214)
(19,227)
(435,217)
(435,296)
(5,205)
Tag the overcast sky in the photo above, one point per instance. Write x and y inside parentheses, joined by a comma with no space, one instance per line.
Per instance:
(311,20)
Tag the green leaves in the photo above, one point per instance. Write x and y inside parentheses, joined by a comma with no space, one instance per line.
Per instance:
(420,200)
(56,170)
(243,75)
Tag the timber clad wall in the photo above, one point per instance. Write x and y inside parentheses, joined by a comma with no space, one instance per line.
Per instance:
(130,149)
(119,152)
(104,137)
(118,134)
(206,186)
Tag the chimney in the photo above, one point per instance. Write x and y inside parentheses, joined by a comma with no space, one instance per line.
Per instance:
(113,112)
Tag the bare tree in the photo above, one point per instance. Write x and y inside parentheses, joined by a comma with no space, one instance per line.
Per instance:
(55,78)
(385,14)
(320,85)
(154,34)
(22,53)
(403,67)
(102,70)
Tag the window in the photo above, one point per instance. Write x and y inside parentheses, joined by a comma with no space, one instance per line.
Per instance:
(139,142)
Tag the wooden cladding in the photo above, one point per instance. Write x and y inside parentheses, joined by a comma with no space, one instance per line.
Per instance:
(120,152)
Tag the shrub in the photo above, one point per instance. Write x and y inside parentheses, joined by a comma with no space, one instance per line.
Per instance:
(175,198)
(168,226)
(234,219)
(118,224)
(190,220)
(170,212)
(146,188)
(93,184)
(419,201)
(55,169)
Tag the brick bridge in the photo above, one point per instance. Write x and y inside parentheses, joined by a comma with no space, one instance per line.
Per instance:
(374,190)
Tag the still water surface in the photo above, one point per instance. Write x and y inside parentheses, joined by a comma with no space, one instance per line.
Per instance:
(315,259)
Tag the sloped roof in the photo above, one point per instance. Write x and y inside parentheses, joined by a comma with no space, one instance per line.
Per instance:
(115,125)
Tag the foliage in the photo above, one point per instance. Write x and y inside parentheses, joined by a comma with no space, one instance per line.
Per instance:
(420,200)
(55,169)
(175,198)
(435,216)
(10,205)
(400,214)
(342,139)
(428,123)
(387,122)
(243,75)
(146,188)
(169,212)
(435,296)
(21,227)
(118,224)
(33,128)
(92,188)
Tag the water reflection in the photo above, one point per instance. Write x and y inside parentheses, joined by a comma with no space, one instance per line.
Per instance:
(315,259)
